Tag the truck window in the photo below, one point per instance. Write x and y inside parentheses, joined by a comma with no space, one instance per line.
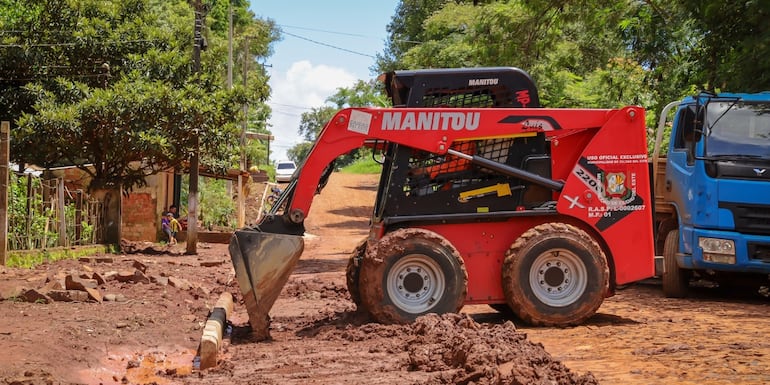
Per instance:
(738,129)
(685,136)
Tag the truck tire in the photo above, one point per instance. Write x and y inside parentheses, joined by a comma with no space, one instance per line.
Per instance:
(555,275)
(353,271)
(676,280)
(409,273)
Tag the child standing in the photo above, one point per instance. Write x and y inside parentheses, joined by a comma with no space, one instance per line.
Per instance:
(174,225)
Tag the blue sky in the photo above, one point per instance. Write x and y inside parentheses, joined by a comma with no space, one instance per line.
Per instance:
(304,73)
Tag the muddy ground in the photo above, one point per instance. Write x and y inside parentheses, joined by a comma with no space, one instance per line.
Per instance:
(148,325)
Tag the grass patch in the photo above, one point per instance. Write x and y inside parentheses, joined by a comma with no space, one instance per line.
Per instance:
(31,258)
(363,166)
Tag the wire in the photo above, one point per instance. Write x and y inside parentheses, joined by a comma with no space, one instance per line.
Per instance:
(52,76)
(292,106)
(347,34)
(74,44)
(329,45)
(286,113)
(327,31)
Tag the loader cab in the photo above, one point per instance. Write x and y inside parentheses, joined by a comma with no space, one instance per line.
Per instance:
(416,184)
(462,87)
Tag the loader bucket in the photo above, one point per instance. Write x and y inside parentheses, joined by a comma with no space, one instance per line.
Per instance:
(263,263)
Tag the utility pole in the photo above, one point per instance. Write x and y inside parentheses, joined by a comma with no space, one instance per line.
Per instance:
(192,199)
(230,46)
(241,178)
(241,213)
(5,132)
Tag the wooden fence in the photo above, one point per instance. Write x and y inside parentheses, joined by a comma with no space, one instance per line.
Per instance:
(43,213)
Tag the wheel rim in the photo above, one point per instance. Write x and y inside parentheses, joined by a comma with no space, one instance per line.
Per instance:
(558,277)
(415,283)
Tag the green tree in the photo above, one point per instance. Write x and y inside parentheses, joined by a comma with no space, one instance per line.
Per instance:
(299,152)
(585,53)
(734,45)
(109,86)
(405,31)
(558,42)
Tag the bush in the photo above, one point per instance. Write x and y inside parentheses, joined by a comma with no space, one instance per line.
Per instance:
(215,207)
(363,166)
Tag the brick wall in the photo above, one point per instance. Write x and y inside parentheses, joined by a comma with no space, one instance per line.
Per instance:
(140,220)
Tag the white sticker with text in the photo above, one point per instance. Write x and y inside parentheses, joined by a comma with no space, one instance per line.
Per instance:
(360,122)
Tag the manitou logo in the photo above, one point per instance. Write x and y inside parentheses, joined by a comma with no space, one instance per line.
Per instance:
(483,82)
(430,121)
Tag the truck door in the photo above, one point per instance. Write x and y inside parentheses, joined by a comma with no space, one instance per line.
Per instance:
(680,183)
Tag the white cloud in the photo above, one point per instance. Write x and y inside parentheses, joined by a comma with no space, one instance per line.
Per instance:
(295,91)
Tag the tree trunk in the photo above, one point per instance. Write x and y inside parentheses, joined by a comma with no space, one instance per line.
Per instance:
(111,209)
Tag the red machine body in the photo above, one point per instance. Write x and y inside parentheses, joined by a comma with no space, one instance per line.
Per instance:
(540,211)
(601,155)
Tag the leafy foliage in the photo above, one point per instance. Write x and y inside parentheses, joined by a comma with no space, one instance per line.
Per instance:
(29,231)
(733,46)
(592,53)
(33,222)
(217,208)
(363,166)
(110,86)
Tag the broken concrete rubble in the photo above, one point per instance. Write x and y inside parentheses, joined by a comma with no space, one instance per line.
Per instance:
(83,283)
(34,295)
(68,295)
(76,283)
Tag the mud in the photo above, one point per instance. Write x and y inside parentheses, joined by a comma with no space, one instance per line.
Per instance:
(637,337)
(464,352)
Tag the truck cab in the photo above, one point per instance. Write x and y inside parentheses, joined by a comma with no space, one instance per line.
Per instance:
(713,191)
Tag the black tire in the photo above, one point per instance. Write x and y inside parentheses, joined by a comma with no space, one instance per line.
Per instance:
(555,275)
(409,273)
(353,271)
(676,281)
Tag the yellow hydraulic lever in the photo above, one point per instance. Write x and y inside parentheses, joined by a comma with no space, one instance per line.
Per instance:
(502,189)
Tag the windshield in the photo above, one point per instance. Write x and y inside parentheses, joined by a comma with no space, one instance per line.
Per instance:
(738,129)
(286,166)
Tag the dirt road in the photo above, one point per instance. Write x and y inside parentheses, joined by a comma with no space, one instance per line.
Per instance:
(148,325)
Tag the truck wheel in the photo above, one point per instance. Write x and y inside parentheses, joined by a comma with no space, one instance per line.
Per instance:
(411,272)
(555,275)
(353,271)
(676,280)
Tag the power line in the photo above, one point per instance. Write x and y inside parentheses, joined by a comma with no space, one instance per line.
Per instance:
(52,76)
(286,113)
(292,106)
(346,34)
(112,42)
(327,31)
(329,45)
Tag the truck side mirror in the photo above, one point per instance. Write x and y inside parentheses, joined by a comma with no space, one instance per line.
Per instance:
(700,118)
(692,129)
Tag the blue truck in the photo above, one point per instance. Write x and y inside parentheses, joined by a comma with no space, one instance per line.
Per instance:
(712,191)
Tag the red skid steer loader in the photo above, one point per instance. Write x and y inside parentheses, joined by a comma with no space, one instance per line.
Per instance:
(542,212)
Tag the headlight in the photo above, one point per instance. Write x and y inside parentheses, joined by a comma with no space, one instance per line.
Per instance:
(717,250)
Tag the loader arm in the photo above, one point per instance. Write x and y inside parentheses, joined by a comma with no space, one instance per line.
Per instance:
(432,130)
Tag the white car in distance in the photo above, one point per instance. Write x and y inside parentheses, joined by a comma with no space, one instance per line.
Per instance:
(284,169)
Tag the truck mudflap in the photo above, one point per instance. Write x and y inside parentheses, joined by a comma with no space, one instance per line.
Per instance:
(263,263)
